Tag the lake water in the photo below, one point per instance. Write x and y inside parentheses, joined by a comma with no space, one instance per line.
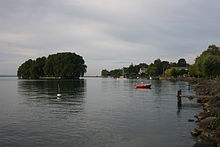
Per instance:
(94,112)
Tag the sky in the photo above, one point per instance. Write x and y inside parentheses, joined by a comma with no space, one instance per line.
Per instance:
(108,34)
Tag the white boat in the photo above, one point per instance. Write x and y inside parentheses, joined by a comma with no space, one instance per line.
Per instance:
(121,78)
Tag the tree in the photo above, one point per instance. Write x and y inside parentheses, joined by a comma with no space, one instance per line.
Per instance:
(207,64)
(24,71)
(68,65)
(37,68)
(132,71)
(181,63)
(174,72)
(105,73)
(211,66)
(116,73)
(173,64)
(143,65)
(152,70)
(193,71)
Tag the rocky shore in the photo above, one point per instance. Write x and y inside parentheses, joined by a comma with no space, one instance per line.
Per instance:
(208,130)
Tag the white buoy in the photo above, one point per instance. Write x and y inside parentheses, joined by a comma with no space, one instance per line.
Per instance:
(58,94)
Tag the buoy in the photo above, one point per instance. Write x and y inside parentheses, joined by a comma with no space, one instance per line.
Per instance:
(59,95)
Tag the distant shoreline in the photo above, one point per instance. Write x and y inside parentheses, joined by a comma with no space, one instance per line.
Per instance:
(92,76)
(51,77)
(8,76)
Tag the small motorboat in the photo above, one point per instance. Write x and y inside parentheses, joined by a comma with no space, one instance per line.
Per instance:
(143,86)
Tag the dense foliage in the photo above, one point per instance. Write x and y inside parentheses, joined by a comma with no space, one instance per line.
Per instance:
(65,65)
(143,70)
(207,64)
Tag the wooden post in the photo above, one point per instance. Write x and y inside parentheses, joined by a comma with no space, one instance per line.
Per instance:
(179,101)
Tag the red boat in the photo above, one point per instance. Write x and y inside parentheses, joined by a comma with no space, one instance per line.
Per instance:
(143,86)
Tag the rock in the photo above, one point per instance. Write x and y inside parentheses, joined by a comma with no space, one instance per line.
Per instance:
(206,122)
(206,107)
(196,132)
(199,129)
(206,104)
(191,120)
(201,116)
(201,143)
(205,134)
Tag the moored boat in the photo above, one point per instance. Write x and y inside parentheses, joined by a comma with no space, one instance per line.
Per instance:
(121,78)
(143,86)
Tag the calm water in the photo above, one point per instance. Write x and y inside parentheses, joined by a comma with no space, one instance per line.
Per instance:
(94,112)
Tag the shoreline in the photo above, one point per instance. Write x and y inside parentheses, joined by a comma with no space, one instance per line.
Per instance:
(208,130)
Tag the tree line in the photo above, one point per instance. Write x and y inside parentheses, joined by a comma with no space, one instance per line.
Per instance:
(206,65)
(143,70)
(64,65)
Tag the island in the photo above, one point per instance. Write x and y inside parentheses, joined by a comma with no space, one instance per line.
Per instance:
(64,65)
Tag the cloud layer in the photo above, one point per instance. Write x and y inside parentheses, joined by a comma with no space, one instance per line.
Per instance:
(107,33)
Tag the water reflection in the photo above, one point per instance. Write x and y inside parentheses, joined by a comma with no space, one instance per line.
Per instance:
(43,93)
(94,112)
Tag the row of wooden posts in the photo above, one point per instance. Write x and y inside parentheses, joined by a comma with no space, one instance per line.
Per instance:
(180,96)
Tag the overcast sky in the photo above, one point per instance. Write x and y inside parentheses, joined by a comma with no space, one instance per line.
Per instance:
(107,33)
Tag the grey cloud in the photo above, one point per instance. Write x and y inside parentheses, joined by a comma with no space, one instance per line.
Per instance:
(108,31)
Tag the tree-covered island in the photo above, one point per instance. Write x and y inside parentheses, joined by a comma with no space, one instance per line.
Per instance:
(61,65)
